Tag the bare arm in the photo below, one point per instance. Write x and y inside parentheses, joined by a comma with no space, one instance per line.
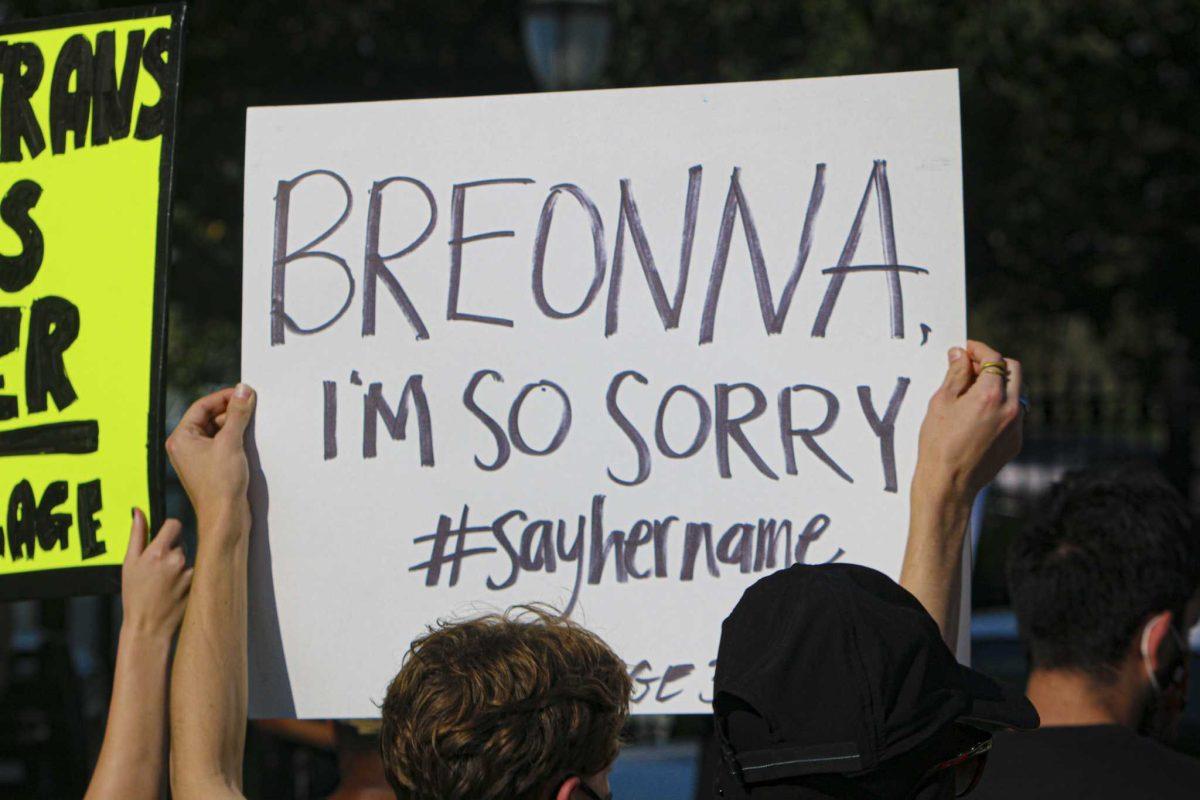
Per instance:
(154,588)
(971,430)
(932,568)
(208,690)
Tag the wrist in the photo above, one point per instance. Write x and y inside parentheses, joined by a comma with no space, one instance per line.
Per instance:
(223,525)
(940,488)
(225,519)
(144,634)
(939,507)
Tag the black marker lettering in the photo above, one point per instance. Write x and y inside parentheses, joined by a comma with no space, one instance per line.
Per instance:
(22,65)
(514,420)
(694,534)
(88,503)
(17,272)
(573,553)
(330,419)
(602,544)
(674,673)
(668,310)
(645,683)
(537,546)
(885,428)
(458,200)
(375,408)
(703,423)
(628,428)
(662,529)
(63,438)
(727,428)
(112,103)
(735,205)
(808,435)
(639,534)
(53,327)
(736,546)
(514,558)
(70,109)
(811,533)
(375,264)
(280,320)
(767,543)
(152,120)
(10,337)
(600,258)
(22,522)
(503,449)
(892,268)
(441,539)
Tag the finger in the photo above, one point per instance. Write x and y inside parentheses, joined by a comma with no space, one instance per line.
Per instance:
(137,535)
(200,415)
(170,535)
(220,420)
(1015,388)
(175,559)
(980,352)
(988,383)
(185,582)
(959,374)
(239,412)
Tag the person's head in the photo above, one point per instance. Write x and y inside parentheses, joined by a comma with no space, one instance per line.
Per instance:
(834,682)
(1104,582)
(525,705)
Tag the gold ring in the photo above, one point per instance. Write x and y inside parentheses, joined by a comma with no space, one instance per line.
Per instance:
(993,368)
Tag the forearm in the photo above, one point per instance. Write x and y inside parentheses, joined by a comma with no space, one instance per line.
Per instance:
(132,757)
(932,569)
(208,697)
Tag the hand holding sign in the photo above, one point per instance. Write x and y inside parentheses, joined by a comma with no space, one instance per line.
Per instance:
(972,427)
(207,452)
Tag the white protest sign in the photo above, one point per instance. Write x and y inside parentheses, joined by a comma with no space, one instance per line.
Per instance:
(623,352)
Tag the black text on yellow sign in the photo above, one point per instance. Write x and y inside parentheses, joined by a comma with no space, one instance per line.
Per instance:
(87,112)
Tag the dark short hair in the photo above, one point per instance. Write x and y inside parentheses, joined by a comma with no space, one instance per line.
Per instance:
(1112,546)
(502,706)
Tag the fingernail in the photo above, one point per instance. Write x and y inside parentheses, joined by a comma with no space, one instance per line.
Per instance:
(955,353)
(242,391)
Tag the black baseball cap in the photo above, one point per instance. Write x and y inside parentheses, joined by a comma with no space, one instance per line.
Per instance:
(836,669)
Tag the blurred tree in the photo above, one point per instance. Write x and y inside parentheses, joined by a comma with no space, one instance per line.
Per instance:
(1080,129)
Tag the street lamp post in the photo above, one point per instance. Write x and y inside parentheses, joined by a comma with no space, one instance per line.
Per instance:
(566,41)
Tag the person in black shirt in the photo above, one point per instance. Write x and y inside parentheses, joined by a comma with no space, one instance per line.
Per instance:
(1105,588)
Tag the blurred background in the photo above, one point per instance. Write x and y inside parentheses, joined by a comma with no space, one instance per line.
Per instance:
(1081,138)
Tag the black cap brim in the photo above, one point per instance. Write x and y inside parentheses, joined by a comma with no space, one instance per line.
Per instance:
(997,705)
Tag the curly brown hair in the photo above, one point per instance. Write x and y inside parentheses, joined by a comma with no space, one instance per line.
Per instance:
(502,707)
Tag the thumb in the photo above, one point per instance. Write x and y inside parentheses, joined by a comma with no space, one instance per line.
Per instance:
(958,374)
(137,535)
(238,413)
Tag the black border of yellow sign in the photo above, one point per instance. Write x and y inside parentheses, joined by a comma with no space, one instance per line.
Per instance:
(107,579)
